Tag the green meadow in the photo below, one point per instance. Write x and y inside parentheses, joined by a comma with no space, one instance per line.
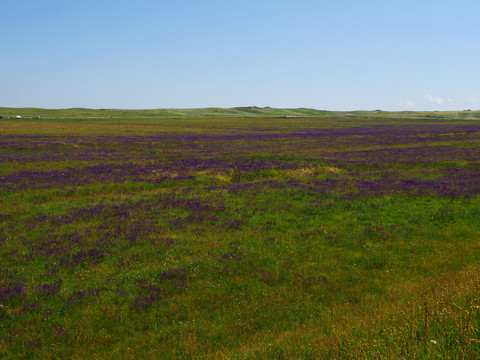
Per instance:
(243,233)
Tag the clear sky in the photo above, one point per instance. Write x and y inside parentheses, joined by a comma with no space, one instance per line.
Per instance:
(333,55)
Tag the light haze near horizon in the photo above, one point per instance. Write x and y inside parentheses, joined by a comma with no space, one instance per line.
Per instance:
(332,55)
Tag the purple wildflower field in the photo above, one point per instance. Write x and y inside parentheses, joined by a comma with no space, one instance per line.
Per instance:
(244,241)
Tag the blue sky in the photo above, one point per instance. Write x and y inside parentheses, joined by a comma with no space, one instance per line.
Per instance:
(334,55)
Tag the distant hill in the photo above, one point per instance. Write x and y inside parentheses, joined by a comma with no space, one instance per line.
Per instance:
(247,111)
(194,112)
(255,111)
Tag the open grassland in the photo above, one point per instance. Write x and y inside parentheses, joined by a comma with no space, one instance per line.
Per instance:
(249,111)
(238,112)
(241,238)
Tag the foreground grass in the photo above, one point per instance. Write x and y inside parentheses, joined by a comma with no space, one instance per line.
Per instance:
(225,246)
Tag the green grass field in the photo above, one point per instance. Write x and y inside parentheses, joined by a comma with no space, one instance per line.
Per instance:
(237,112)
(239,233)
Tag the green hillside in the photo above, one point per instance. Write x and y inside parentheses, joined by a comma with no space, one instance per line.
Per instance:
(247,111)
(250,111)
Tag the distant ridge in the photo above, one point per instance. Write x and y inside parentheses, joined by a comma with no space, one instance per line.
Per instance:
(245,111)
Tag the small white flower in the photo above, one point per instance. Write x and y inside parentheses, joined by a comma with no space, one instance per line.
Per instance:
(433,341)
